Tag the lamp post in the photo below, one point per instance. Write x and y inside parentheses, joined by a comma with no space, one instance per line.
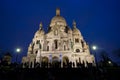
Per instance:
(95,48)
(18,50)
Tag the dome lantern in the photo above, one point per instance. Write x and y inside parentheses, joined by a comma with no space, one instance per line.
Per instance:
(58,19)
(57,12)
(75,30)
(74,24)
(40,26)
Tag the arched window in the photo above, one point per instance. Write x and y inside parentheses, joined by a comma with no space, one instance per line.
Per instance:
(38,41)
(77,40)
(56,45)
(36,52)
(77,50)
(82,43)
(64,47)
(47,48)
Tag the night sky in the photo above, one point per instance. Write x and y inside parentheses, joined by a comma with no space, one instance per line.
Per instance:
(98,21)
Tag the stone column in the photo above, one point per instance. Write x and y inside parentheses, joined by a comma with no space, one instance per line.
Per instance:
(32,64)
(29,64)
(75,64)
(23,65)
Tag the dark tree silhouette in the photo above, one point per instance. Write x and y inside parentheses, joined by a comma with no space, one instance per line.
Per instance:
(104,55)
(116,52)
(105,60)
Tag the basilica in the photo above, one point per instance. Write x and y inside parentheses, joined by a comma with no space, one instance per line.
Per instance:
(59,44)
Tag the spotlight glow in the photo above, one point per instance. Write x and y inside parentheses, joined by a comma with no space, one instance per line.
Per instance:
(18,50)
(94,47)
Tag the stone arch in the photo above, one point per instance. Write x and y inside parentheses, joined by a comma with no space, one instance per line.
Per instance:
(55,58)
(55,62)
(45,59)
(65,60)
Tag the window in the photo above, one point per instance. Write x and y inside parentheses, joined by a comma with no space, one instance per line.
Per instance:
(64,47)
(77,50)
(82,43)
(56,45)
(77,40)
(36,52)
(38,41)
(47,48)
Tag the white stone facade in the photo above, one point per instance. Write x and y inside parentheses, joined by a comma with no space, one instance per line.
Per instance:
(60,43)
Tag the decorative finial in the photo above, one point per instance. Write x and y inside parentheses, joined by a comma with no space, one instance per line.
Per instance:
(40,26)
(74,24)
(57,12)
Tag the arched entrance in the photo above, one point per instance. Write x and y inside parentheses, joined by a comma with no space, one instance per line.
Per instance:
(45,61)
(55,62)
(65,61)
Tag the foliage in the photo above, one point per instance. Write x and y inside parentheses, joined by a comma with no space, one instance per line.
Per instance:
(116,52)
(106,61)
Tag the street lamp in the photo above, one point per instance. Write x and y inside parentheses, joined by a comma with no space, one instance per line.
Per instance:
(95,48)
(109,62)
(18,50)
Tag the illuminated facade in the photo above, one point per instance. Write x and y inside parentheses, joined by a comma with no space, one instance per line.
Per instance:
(59,44)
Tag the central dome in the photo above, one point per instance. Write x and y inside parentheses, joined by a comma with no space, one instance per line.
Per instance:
(59,20)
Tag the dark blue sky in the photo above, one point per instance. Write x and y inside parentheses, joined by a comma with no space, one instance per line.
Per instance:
(98,21)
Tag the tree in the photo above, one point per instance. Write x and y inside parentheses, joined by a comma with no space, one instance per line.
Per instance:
(104,55)
(1,53)
(116,52)
(106,61)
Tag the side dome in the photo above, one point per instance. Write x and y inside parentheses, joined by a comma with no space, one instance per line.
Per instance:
(40,32)
(59,20)
(69,30)
(75,30)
